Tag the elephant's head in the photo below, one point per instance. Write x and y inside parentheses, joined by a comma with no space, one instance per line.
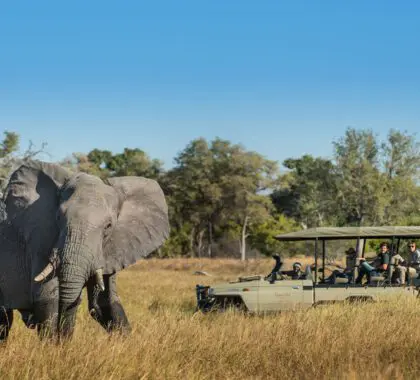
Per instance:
(91,226)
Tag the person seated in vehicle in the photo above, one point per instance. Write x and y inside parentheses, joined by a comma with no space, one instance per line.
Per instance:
(296,273)
(398,269)
(414,260)
(376,268)
(346,272)
(275,273)
(411,269)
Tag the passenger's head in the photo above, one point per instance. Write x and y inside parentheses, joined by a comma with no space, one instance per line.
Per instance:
(351,252)
(297,267)
(412,246)
(384,247)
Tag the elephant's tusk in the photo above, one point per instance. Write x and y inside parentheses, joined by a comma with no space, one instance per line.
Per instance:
(100,279)
(52,265)
(45,272)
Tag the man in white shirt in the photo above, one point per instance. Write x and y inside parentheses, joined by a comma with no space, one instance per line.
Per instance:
(414,259)
(413,263)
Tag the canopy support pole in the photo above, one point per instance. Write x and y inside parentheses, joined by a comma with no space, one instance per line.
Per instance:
(359,254)
(316,261)
(324,251)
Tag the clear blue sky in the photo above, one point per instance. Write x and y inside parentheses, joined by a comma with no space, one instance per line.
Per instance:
(283,78)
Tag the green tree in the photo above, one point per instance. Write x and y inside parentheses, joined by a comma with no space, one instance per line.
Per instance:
(215,187)
(263,235)
(81,162)
(360,183)
(401,166)
(402,155)
(10,144)
(131,162)
(308,191)
(378,182)
(193,192)
(243,177)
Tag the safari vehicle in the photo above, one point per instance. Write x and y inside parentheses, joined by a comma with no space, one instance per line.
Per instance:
(274,292)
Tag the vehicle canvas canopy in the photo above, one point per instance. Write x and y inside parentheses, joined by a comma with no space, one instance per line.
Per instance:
(338,233)
(323,234)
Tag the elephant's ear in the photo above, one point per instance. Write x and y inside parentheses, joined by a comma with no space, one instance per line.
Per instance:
(142,224)
(31,200)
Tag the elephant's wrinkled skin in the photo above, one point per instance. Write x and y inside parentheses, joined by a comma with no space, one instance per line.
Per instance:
(64,232)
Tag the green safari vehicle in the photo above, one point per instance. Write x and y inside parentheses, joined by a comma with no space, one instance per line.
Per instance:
(274,292)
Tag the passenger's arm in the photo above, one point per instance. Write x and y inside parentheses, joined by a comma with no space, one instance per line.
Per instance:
(385,264)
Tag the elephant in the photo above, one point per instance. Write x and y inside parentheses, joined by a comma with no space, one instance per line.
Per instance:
(67,231)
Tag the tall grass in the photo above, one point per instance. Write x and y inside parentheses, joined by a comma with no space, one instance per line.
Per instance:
(169,341)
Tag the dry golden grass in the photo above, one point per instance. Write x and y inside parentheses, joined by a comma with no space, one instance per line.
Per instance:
(169,341)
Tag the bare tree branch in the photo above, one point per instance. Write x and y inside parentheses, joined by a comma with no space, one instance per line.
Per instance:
(31,153)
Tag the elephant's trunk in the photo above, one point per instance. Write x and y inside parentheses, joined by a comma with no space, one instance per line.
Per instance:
(78,263)
(76,258)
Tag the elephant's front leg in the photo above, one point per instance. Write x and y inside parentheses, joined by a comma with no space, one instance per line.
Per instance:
(6,321)
(105,307)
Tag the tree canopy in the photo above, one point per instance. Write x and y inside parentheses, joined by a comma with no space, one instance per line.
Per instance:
(226,200)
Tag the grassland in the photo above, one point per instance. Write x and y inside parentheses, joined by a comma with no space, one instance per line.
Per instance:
(169,341)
